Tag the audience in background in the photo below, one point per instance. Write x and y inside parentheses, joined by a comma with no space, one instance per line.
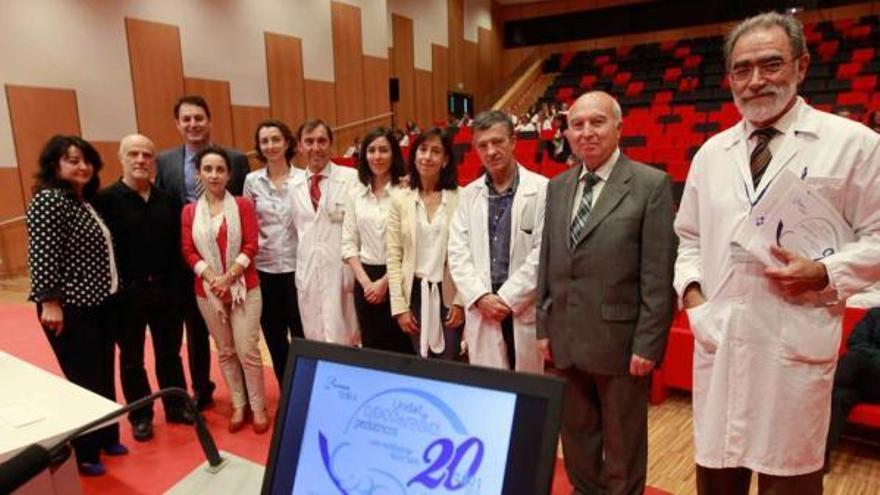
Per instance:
(75,281)
(176,174)
(145,225)
(352,151)
(423,297)
(219,242)
(380,166)
(270,189)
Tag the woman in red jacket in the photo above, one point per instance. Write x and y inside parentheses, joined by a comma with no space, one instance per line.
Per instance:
(220,235)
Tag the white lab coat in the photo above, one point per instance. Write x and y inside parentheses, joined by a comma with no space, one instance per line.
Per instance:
(324,283)
(469,265)
(763,364)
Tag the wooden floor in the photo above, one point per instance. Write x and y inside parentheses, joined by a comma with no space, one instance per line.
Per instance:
(855,466)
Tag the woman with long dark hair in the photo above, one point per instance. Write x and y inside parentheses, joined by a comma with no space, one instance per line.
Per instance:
(74,280)
(424,300)
(380,165)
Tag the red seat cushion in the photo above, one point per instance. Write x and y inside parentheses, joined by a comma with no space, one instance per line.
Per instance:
(827,48)
(692,61)
(609,70)
(635,88)
(863,54)
(588,81)
(672,74)
(865,84)
(848,70)
(682,52)
(622,78)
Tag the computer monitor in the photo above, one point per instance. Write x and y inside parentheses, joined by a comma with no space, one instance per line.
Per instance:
(357,421)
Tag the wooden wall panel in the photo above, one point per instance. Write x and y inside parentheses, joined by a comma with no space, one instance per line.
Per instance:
(216,93)
(11,201)
(13,249)
(36,115)
(470,68)
(376,102)
(321,104)
(424,98)
(286,82)
(403,68)
(349,71)
(455,12)
(488,64)
(112,169)
(440,80)
(157,78)
(244,122)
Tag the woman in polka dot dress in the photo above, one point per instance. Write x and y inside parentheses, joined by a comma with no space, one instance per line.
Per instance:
(74,280)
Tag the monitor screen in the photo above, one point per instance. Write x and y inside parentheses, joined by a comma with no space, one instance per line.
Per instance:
(356,421)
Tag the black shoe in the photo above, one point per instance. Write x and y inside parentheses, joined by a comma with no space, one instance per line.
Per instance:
(181,416)
(142,431)
(204,401)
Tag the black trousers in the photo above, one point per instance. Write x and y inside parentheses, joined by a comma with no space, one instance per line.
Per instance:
(85,353)
(857,379)
(605,432)
(280,318)
(150,303)
(197,347)
(452,336)
(736,481)
(379,330)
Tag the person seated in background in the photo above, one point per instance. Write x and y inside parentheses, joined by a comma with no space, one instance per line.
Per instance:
(352,151)
(219,237)
(857,378)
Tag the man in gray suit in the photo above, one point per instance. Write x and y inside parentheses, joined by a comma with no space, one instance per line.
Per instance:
(605,297)
(176,174)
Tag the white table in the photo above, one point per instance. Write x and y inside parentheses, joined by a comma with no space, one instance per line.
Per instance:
(51,406)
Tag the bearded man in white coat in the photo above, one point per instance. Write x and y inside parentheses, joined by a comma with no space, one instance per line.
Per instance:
(767,337)
(324,283)
(494,245)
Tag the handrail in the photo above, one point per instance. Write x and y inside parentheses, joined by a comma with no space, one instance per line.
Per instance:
(362,122)
(12,220)
(507,83)
(516,89)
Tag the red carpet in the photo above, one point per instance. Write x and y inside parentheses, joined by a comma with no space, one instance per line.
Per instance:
(153,467)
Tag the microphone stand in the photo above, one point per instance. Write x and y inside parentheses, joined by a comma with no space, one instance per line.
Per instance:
(20,468)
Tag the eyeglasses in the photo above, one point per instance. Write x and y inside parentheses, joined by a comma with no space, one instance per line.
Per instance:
(766,68)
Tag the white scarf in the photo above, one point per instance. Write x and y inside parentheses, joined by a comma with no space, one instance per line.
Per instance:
(206,244)
(431,335)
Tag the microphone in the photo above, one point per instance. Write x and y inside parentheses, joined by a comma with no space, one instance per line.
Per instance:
(32,460)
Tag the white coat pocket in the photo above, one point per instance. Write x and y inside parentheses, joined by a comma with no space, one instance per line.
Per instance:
(527,218)
(706,331)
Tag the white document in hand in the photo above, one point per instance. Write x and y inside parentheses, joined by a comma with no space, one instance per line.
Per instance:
(795,217)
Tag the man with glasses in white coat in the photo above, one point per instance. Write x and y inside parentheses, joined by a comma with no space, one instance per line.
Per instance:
(767,338)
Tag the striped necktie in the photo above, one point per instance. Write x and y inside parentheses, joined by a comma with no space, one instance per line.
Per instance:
(761,155)
(198,187)
(583,211)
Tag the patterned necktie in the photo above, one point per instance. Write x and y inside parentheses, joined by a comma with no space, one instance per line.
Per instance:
(583,211)
(198,187)
(761,154)
(315,190)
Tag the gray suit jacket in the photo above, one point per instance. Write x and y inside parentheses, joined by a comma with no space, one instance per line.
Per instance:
(169,172)
(610,296)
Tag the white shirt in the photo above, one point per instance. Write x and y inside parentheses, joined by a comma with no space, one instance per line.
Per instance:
(430,252)
(278,239)
(363,230)
(603,172)
(108,240)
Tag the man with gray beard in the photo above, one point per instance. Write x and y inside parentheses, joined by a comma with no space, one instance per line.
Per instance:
(767,337)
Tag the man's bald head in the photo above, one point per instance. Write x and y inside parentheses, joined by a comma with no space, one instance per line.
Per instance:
(138,157)
(594,123)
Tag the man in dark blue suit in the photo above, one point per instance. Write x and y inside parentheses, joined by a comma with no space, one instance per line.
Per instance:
(176,174)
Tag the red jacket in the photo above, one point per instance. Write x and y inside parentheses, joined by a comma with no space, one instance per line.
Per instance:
(249,242)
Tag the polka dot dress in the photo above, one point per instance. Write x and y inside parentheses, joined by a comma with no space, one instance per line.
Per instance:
(68,255)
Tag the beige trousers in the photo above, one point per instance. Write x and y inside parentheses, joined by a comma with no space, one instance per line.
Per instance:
(237,341)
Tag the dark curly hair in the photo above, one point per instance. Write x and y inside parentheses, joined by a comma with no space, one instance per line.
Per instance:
(212,150)
(57,148)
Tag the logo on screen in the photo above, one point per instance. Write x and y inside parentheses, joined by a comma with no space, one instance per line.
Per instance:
(403,441)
